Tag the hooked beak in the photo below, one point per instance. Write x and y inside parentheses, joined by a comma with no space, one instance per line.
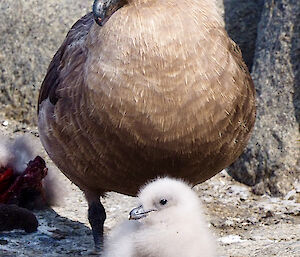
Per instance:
(138,213)
(104,9)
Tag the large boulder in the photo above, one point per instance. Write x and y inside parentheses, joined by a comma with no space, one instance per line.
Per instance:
(31,32)
(241,21)
(271,162)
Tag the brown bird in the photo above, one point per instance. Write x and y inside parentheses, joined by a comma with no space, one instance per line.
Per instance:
(152,88)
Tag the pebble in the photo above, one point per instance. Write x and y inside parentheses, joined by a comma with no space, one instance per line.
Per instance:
(3,242)
(291,195)
(231,239)
(5,123)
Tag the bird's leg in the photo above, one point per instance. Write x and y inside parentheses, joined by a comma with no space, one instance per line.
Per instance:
(96,216)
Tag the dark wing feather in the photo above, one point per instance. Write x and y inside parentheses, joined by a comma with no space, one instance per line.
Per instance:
(78,32)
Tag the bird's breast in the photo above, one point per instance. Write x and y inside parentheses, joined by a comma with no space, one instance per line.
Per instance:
(161,92)
(157,84)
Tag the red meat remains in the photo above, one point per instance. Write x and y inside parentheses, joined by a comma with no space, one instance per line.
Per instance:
(20,188)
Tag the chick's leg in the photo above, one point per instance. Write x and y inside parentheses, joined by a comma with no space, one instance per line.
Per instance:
(96,216)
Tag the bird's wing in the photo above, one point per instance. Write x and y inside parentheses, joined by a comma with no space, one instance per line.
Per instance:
(74,39)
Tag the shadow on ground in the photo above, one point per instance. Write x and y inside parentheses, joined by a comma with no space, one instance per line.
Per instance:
(56,236)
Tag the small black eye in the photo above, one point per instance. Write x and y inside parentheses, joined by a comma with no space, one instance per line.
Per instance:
(163,201)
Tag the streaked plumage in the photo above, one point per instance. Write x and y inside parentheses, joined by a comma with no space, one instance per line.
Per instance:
(160,89)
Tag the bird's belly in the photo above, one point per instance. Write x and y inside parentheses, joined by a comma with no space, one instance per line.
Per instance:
(178,118)
(99,156)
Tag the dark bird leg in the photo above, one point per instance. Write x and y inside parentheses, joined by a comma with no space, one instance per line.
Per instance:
(96,216)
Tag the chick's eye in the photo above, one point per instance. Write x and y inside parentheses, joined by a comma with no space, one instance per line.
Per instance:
(163,201)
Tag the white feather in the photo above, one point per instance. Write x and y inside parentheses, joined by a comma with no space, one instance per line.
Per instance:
(18,152)
(6,155)
(24,149)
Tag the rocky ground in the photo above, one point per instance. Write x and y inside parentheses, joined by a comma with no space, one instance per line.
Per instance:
(244,224)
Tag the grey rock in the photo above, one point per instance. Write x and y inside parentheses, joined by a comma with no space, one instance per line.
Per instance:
(241,21)
(31,32)
(271,162)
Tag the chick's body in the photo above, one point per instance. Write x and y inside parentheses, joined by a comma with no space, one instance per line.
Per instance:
(170,231)
(186,236)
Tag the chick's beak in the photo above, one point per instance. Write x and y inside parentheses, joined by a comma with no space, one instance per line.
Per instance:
(104,9)
(139,212)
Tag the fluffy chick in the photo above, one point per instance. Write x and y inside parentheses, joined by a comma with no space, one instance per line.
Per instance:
(168,223)
(18,152)
(5,152)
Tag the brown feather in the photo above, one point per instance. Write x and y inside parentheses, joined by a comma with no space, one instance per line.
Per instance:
(78,31)
(159,90)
